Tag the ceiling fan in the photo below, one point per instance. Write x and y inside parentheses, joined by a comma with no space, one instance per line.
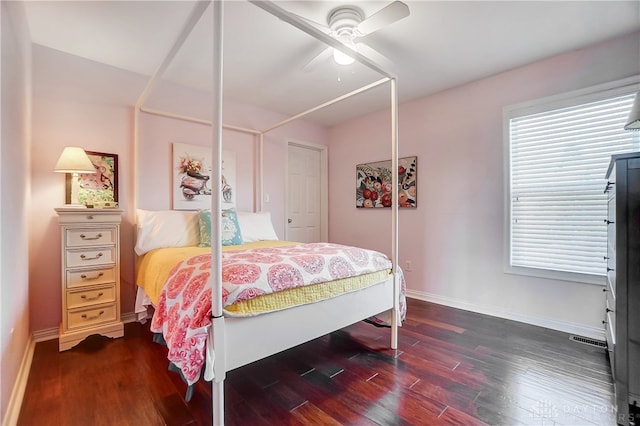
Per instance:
(348,24)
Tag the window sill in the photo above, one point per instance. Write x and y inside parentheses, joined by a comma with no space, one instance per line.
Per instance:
(599,280)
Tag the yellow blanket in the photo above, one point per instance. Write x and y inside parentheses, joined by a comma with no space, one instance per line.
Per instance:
(154,267)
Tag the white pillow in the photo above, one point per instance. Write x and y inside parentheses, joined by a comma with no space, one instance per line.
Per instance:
(165,228)
(256,226)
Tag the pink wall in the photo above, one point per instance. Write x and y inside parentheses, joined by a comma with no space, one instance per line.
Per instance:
(14,199)
(455,237)
(80,102)
(157,134)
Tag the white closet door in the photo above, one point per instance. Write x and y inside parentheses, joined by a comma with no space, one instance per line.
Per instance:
(304,212)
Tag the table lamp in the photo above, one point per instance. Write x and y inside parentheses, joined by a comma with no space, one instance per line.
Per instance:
(75,161)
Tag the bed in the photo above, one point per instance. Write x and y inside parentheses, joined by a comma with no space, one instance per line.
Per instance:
(261,275)
(232,340)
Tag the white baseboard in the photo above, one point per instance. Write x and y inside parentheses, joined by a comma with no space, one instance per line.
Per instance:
(17,394)
(567,327)
(54,333)
(46,334)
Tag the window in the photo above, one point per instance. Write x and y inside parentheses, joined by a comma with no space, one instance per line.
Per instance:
(559,152)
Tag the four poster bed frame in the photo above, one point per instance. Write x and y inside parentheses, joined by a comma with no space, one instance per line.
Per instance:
(234,341)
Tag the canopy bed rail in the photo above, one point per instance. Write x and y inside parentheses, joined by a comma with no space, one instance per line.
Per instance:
(227,346)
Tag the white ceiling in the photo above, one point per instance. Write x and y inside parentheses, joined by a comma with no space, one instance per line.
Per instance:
(441,44)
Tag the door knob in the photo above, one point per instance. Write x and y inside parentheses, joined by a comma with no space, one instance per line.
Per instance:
(289,220)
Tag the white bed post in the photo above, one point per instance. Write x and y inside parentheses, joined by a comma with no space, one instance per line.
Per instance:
(260,186)
(394,214)
(135,156)
(216,338)
(299,23)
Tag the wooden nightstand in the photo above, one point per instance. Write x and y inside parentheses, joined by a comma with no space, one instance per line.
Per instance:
(90,274)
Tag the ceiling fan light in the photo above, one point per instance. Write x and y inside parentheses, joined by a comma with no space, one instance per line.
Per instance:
(342,58)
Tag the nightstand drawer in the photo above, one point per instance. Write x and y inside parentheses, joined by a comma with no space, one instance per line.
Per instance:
(91,237)
(90,257)
(91,277)
(95,296)
(102,216)
(89,317)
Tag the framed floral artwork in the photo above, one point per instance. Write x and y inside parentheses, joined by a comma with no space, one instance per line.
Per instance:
(100,187)
(191,177)
(374,188)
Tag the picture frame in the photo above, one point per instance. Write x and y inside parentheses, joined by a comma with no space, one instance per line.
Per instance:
(100,188)
(374,188)
(192,169)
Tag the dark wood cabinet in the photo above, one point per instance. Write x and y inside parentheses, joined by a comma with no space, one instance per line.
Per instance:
(622,309)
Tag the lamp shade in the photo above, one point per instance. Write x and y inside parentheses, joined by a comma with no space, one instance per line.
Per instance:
(633,122)
(74,160)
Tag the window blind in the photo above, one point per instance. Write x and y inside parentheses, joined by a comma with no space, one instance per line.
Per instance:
(558,162)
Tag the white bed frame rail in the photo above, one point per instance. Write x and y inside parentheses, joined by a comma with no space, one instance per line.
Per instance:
(281,330)
(238,341)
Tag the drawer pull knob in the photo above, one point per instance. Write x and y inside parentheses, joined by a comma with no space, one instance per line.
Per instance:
(95,277)
(604,322)
(607,221)
(88,318)
(89,217)
(97,256)
(84,297)
(97,237)
(604,290)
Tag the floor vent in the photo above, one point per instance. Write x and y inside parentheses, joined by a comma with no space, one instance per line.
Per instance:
(589,341)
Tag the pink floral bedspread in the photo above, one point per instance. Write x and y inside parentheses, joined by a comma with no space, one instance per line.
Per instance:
(183,314)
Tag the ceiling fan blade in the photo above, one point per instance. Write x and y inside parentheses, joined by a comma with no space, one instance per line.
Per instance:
(385,16)
(325,29)
(375,56)
(320,57)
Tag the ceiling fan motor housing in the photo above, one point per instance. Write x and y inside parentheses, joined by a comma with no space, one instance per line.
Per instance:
(344,20)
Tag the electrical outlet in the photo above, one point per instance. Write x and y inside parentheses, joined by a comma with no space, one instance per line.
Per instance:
(407,266)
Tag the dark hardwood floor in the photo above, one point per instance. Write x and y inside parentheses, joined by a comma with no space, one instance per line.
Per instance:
(452,367)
